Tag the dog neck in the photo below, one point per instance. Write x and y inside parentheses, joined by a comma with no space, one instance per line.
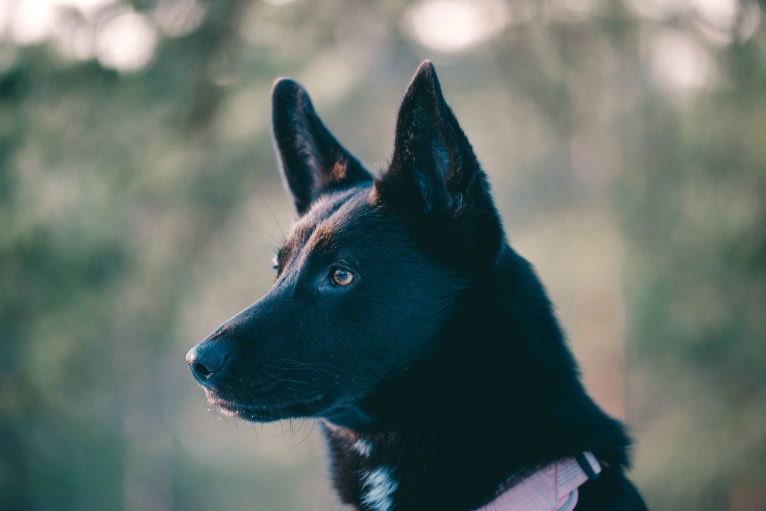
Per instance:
(447,432)
(372,481)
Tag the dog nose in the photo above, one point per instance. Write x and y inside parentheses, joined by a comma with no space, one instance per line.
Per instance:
(205,361)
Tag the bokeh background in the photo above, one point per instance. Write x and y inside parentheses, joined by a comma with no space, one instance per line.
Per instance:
(140,206)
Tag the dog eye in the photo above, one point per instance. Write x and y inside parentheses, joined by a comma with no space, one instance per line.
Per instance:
(341,277)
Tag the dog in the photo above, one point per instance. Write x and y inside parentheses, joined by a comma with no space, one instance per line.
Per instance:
(403,321)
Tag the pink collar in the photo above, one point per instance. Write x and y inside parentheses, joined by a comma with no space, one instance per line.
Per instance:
(552,488)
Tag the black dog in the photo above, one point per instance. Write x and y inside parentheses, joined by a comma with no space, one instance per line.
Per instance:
(402,319)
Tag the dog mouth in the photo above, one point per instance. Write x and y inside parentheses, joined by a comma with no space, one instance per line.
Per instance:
(310,406)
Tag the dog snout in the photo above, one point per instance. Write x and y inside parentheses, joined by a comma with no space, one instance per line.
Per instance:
(207,361)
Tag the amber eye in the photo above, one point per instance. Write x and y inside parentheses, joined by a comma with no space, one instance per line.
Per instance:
(341,277)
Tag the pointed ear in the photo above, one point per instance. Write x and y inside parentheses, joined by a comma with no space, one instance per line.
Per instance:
(433,165)
(312,160)
(436,180)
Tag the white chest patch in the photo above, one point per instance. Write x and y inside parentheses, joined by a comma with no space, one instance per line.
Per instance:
(378,485)
(362,447)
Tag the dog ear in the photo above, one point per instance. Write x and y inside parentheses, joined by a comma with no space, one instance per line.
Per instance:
(433,165)
(435,177)
(312,160)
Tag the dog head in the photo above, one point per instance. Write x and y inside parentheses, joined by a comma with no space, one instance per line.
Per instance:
(370,271)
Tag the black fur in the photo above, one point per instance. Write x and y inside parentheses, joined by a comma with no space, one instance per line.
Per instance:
(441,360)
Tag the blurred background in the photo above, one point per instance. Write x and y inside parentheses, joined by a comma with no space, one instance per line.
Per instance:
(140,206)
